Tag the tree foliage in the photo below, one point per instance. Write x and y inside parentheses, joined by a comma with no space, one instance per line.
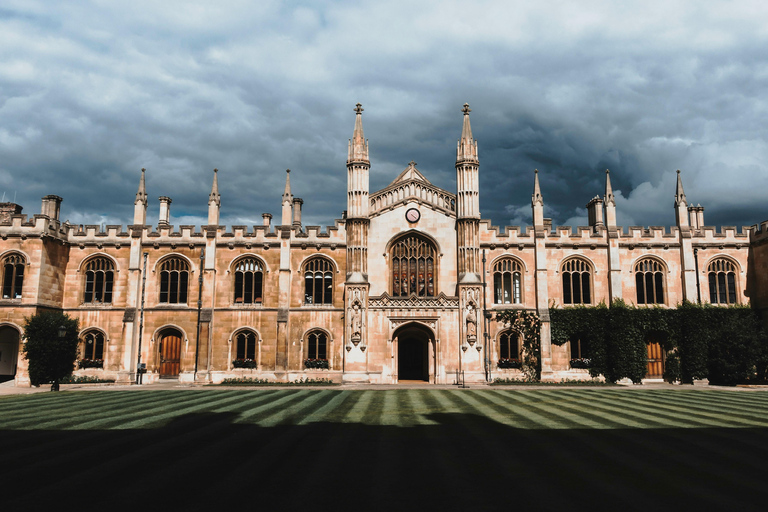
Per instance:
(51,357)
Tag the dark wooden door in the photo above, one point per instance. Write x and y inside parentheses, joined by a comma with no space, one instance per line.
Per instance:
(655,361)
(170,354)
(412,359)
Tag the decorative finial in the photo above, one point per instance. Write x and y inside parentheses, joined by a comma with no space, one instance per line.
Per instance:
(215,170)
(536,171)
(678,171)
(288,171)
(607,171)
(411,164)
(466,109)
(358,108)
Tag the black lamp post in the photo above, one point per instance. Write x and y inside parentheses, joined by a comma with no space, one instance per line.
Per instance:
(62,334)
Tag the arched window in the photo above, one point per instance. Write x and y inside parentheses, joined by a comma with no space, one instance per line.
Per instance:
(722,281)
(577,279)
(413,267)
(317,346)
(174,279)
(507,282)
(509,345)
(249,276)
(92,350)
(246,346)
(318,281)
(649,281)
(13,276)
(99,279)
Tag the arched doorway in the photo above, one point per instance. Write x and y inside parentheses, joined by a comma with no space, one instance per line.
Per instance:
(9,352)
(169,353)
(415,353)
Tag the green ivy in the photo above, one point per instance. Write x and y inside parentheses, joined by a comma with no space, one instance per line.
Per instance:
(727,345)
(528,324)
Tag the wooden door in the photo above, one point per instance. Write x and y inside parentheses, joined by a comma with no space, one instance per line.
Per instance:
(655,361)
(170,354)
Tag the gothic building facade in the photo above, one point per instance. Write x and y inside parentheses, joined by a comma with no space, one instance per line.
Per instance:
(395,291)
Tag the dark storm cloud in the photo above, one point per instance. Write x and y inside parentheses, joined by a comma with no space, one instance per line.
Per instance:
(91,94)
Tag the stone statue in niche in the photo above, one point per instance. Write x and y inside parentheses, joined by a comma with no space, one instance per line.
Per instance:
(356,323)
(471,320)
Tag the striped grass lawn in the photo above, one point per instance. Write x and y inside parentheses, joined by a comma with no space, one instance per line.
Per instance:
(398,449)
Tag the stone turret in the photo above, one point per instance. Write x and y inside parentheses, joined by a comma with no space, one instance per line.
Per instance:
(358,168)
(468,203)
(681,204)
(537,202)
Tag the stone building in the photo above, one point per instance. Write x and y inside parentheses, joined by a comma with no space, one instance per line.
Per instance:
(396,290)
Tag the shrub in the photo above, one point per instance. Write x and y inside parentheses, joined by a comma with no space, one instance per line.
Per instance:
(51,357)
(90,363)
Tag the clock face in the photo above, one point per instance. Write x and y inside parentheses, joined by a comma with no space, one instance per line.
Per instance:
(412,215)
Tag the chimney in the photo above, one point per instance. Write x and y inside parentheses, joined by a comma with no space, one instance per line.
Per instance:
(694,218)
(51,206)
(595,212)
(7,210)
(297,202)
(700,216)
(267,219)
(165,211)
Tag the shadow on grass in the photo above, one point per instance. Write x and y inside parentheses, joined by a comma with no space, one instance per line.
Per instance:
(461,462)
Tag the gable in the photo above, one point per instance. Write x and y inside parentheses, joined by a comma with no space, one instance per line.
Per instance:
(409,186)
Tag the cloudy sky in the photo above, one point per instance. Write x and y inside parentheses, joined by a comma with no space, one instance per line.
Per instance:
(91,92)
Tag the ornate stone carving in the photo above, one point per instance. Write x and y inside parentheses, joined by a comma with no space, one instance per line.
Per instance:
(355,323)
(386,302)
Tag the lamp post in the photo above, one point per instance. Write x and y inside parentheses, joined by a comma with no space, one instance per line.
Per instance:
(62,334)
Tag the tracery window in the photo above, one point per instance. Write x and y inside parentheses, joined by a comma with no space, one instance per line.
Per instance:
(13,276)
(99,279)
(93,346)
(577,282)
(722,281)
(246,345)
(413,267)
(174,281)
(507,282)
(318,281)
(649,281)
(317,345)
(580,348)
(509,345)
(249,276)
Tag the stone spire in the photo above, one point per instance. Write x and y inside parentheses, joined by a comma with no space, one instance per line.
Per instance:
(536,198)
(467,147)
(537,202)
(679,192)
(610,202)
(214,201)
(140,204)
(287,217)
(609,199)
(681,204)
(358,146)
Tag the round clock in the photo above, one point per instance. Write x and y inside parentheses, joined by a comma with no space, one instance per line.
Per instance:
(412,215)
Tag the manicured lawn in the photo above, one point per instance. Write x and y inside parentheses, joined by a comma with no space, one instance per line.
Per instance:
(296,449)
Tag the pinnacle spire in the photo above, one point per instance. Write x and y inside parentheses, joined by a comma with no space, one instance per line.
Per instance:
(679,192)
(466,129)
(141,195)
(215,196)
(536,198)
(609,199)
(287,194)
(358,146)
(467,146)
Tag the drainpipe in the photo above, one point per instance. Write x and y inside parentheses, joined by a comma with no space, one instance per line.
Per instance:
(199,310)
(139,373)
(486,326)
(696,263)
